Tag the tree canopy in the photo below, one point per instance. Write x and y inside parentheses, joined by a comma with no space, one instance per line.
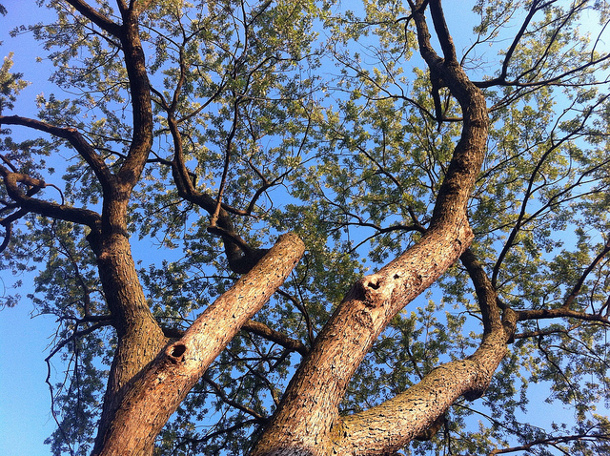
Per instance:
(298,227)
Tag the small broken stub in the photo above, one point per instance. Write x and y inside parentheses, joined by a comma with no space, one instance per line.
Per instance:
(175,352)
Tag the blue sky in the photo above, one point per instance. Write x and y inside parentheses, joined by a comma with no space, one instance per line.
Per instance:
(25,418)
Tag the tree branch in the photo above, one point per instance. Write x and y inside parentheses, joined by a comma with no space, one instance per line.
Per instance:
(76,140)
(182,363)
(561,312)
(46,208)
(551,441)
(375,299)
(258,328)
(577,287)
(224,398)
(98,19)
(442,32)
(486,293)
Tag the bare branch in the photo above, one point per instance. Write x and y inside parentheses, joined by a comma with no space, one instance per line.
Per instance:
(75,139)
(98,19)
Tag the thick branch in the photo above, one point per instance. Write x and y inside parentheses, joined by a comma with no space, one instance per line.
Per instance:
(320,382)
(140,339)
(561,312)
(75,139)
(486,293)
(159,391)
(98,19)
(442,32)
(139,86)
(42,207)
(391,425)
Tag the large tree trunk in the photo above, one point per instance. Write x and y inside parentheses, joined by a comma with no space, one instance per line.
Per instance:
(139,336)
(307,422)
(157,391)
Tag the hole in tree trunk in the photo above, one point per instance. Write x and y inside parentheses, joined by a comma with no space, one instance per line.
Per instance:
(176,352)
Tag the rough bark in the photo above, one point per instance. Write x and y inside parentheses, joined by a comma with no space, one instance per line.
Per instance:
(307,422)
(151,376)
(156,393)
(139,336)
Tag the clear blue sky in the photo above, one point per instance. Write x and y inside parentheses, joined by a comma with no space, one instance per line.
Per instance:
(25,418)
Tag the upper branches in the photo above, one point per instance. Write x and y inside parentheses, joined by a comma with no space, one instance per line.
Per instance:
(539,43)
(116,183)
(469,152)
(128,34)
(230,119)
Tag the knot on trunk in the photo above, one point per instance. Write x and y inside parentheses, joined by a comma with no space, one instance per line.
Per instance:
(373,290)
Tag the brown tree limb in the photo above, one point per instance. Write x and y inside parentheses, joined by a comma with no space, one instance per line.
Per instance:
(486,293)
(258,328)
(76,140)
(391,425)
(319,384)
(98,19)
(442,32)
(141,102)
(224,398)
(261,329)
(139,337)
(240,256)
(561,312)
(163,385)
(426,402)
(42,207)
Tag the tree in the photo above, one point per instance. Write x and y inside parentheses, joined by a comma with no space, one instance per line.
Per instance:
(208,145)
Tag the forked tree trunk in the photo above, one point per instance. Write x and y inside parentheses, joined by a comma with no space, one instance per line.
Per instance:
(150,377)
(307,421)
(159,389)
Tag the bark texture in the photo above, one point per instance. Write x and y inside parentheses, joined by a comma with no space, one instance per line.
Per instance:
(156,393)
(307,421)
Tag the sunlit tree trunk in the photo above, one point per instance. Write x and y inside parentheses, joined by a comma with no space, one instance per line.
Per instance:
(156,392)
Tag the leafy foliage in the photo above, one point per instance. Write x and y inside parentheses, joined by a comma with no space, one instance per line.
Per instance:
(305,116)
